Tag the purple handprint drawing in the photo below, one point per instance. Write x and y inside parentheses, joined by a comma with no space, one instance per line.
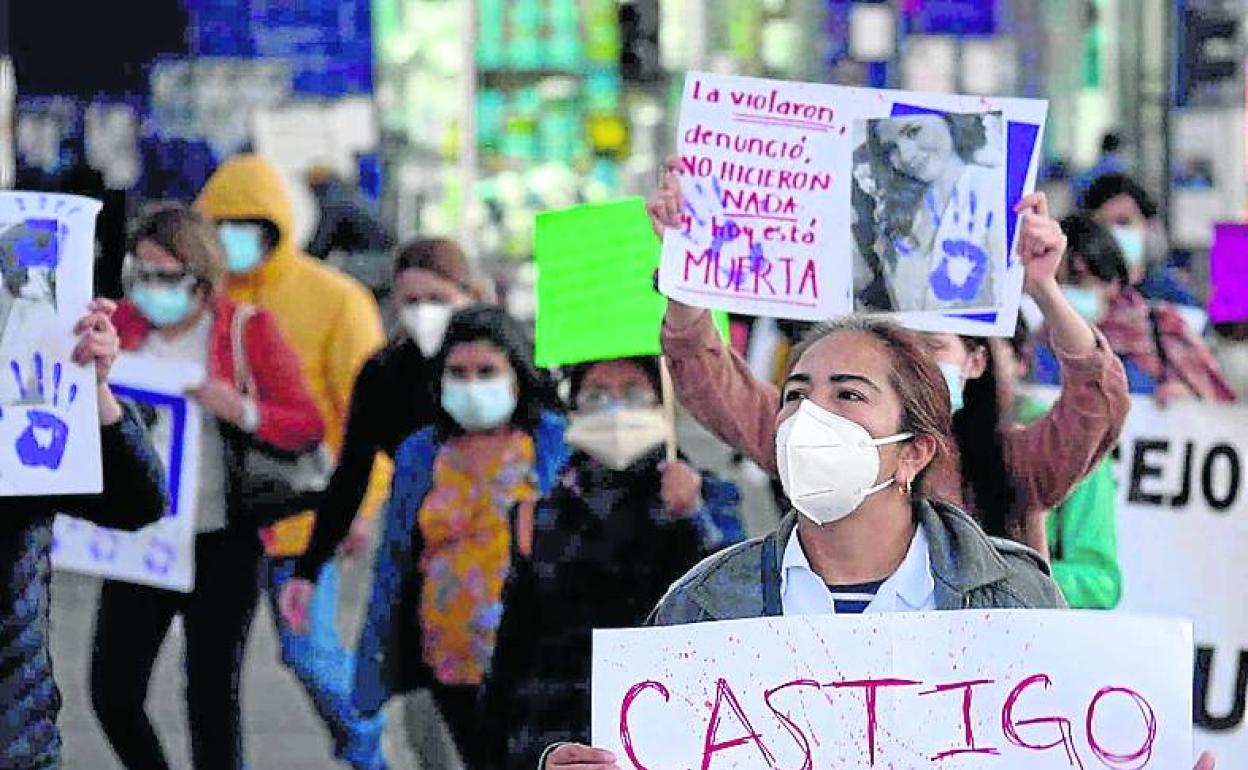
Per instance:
(705,208)
(160,557)
(963,261)
(46,437)
(104,545)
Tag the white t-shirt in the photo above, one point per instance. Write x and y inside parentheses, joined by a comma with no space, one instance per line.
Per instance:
(210,511)
(909,589)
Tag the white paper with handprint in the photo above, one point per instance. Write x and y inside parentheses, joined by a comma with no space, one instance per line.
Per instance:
(809,201)
(161,554)
(49,423)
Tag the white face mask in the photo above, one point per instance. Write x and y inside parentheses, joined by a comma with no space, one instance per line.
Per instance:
(827,463)
(618,438)
(426,324)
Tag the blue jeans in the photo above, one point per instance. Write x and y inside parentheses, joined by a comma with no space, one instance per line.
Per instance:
(325,668)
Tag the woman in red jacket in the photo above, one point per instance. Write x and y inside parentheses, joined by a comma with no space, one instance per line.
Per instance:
(174,311)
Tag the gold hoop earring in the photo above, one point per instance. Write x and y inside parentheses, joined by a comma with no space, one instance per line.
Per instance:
(904,487)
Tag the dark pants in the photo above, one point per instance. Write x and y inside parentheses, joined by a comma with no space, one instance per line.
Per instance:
(458,705)
(130,625)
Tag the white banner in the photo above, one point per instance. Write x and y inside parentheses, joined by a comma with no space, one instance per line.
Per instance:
(1183,545)
(958,690)
(161,554)
(49,424)
(810,201)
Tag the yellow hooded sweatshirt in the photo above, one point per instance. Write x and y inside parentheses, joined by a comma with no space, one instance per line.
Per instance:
(330,319)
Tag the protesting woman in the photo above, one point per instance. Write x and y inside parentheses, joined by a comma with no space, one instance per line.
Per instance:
(863,430)
(623,523)
(461,505)
(1162,355)
(1007,475)
(393,395)
(176,312)
(133,496)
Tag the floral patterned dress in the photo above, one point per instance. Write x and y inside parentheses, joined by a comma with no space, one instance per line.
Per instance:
(465,522)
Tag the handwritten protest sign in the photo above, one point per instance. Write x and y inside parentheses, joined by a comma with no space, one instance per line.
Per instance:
(49,425)
(1009,689)
(595,284)
(1182,536)
(161,554)
(810,201)
(1228,273)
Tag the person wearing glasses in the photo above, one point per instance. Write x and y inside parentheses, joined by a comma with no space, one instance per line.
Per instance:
(622,525)
(176,312)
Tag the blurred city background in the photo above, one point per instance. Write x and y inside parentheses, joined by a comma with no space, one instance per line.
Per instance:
(465,118)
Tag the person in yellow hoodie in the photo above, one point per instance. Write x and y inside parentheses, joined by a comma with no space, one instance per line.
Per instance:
(334,325)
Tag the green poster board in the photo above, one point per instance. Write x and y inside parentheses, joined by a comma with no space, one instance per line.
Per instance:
(595,284)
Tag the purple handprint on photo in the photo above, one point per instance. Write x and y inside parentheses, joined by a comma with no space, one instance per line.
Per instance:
(963,265)
(46,437)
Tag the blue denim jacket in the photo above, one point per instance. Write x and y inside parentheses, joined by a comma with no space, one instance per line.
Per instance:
(390,629)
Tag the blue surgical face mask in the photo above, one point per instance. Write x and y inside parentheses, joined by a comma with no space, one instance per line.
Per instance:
(1085,301)
(953,378)
(1131,242)
(244,246)
(479,404)
(163,305)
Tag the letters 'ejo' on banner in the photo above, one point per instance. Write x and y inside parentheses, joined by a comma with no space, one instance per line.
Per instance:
(809,201)
(958,690)
(1182,535)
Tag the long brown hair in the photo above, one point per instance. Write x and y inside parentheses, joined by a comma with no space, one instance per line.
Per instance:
(920,386)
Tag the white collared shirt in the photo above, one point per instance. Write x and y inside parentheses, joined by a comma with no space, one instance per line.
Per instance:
(909,589)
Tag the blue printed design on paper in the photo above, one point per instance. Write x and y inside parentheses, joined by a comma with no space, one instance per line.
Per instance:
(177,408)
(46,437)
(39,243)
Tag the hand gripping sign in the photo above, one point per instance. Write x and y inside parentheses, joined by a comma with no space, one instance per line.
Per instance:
(1013,689)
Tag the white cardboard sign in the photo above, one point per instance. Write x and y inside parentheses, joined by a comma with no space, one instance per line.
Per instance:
(161,554)
(49,423)
(958,690)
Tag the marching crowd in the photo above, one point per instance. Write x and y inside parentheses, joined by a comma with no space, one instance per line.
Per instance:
(516,509)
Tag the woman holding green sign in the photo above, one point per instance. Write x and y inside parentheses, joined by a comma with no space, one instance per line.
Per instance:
(622,524)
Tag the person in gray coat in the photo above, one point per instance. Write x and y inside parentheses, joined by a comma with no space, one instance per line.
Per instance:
(865,416)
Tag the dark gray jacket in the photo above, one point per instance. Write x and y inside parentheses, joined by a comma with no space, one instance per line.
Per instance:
(133,497)
(971,571)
